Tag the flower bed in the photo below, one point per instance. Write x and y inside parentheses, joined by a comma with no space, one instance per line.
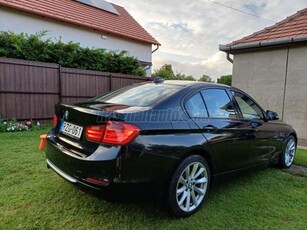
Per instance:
(18,126)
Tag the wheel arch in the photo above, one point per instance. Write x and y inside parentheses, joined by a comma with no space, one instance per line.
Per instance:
(172,185)
(295,137)
(195,151)
(203,153)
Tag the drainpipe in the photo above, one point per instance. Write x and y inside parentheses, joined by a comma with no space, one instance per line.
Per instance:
(155,49)
(229,58)
(148,67)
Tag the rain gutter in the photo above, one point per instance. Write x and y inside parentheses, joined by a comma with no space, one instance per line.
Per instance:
(263,44)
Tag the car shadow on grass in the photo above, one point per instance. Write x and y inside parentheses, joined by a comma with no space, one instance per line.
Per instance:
(154,206)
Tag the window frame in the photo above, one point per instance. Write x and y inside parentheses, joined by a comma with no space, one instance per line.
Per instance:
(230,99)
(231,91)
(188,97)
(229,94)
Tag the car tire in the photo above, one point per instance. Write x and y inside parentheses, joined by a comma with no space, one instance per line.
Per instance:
(288,154)
(189,186)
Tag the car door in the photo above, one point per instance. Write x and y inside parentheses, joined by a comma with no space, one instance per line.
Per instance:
(263,143)
(214,113)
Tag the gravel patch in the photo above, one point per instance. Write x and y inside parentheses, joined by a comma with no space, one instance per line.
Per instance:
(297,170)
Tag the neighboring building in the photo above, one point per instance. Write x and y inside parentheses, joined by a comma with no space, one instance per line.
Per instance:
(271,65)
(98,24)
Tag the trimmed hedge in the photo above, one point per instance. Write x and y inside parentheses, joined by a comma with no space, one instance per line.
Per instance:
(33,47)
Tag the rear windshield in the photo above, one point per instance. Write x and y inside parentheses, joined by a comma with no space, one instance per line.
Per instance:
(139,95)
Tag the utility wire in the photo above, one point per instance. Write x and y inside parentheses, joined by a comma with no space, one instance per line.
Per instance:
(241,11)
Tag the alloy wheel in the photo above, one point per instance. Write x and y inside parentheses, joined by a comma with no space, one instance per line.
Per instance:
(191,186)
(289,152)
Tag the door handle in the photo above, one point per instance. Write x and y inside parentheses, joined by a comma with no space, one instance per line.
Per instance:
(253,125)
(210,128)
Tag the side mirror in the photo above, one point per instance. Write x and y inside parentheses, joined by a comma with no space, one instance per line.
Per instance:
(271,115)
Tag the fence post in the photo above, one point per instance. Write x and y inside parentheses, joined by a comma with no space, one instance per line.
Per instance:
(60,83)
(110,86)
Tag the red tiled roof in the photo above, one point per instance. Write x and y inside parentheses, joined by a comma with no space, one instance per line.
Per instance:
(292,27)
(77,13)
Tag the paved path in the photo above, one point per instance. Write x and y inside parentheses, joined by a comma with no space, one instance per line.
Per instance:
(297,169)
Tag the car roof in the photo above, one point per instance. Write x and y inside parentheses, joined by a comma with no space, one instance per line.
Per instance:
(193,83)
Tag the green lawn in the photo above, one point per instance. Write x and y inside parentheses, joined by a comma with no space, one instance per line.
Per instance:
(301,157)
(33,197)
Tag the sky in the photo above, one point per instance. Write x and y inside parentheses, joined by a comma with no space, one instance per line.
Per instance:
(190,31)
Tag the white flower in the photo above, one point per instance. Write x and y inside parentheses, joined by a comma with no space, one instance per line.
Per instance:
(4,123)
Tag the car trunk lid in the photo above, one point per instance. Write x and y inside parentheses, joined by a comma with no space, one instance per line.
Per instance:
(73,121)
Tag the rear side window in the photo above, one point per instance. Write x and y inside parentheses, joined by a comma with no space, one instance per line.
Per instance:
(218,103)
(195,106)
(139,95)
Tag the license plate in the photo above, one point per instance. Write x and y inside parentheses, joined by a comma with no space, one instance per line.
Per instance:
(70,129)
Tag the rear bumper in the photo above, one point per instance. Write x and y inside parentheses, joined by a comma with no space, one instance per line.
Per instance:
(124,168)
(60,172)
(104,164)
(72,179)
(76,169)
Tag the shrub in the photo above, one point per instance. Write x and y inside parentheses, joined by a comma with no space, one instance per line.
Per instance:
(33,47)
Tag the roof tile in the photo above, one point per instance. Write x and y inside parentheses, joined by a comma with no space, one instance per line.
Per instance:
(293,26)
(77,13)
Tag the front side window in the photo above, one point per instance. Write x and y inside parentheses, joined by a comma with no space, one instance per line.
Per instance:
(195,106)
(248,108)
(218,103)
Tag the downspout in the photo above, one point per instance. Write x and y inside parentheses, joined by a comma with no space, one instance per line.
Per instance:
(148,67)
(229,58)
(155,49)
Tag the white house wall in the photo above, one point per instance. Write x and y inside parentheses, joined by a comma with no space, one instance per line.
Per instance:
(23,22)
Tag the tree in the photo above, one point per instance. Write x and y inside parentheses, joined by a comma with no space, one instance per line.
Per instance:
(166,72)
(205,78)
(226,80)
(181,76)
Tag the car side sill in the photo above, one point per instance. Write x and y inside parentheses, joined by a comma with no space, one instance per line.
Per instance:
(273,161)
(61,173)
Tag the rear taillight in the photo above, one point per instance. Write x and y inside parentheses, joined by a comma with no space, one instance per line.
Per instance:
(118,133)
(94,133)
(55,120)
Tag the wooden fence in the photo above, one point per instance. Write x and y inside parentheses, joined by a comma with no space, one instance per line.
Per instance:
(30,89)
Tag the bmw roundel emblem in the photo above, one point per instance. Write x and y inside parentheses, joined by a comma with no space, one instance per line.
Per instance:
(66,115)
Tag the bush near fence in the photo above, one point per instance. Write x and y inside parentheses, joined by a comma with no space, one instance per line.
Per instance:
(36,47)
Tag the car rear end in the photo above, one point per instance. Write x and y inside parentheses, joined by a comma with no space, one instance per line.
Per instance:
(83,146)
(91,140)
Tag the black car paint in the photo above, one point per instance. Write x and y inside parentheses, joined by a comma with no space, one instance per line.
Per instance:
(151,158)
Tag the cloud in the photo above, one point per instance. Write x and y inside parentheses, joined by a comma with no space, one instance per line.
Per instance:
(192,30)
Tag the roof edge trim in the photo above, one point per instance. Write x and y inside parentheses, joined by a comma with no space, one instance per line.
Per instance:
(263,44)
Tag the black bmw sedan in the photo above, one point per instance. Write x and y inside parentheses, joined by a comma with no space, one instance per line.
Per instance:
(172,137)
